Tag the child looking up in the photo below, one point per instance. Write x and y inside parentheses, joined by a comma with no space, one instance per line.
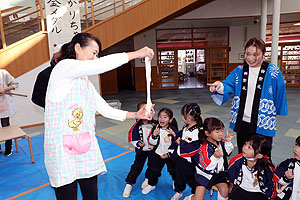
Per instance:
(288,173)
(161,138)
(186,145)
(251,173)
(137,136)
(212,159)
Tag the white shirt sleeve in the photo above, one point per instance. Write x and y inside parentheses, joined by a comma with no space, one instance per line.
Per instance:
(213,163)
(67,70)
(229,147)
(221,88)
(106,110)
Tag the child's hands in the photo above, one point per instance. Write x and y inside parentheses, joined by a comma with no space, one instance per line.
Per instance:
(229,136)
(164,156)
(289,174)
(178,140)
(156,131)
(141,144)
(171,132)
(218,153)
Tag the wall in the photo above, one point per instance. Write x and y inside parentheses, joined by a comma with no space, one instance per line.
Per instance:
(146,38)
(237,8)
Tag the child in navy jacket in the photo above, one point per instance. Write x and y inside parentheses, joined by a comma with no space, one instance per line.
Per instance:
(288,173)
(185,147)
(137,136)
(251,173)
(212,159)
(161,138)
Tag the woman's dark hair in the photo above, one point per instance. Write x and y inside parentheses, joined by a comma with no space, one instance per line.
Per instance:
(210,124)
(261,145)
(192,109)
(258,43)
(297,142)
(170,114)
(83,39)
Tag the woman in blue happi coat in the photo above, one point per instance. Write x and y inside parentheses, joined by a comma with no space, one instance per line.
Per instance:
(259,95)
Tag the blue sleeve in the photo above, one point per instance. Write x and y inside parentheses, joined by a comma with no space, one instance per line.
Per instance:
(280,95)
(281,168)
(135,133)
(229,88)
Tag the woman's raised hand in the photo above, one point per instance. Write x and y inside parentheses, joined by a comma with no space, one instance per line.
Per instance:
(141,53)
(141,113)
(213,87)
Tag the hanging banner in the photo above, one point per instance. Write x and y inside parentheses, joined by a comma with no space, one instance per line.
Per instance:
(63,22)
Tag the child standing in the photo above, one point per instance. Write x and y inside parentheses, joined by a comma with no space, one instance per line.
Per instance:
(288,173)
(161,138)
(137,136)
(212,159)
(251,173)
(7,106)
(186,145)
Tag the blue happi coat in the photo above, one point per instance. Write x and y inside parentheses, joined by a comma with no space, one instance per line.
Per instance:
(272,100)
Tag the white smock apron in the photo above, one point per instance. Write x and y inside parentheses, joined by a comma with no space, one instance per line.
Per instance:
(71,147)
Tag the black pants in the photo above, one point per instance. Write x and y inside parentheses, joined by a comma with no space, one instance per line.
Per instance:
(185,174)
(238,193)
(137,167)
(88,187)
(244,134)
(155,166)
(5,122)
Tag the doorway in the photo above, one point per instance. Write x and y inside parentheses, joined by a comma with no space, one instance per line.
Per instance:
(191,68)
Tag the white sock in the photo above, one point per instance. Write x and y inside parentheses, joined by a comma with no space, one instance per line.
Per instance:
(220,197)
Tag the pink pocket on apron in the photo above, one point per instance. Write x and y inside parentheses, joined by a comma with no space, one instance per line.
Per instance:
(76,144)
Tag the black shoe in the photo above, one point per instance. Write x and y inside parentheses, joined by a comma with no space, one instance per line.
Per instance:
(8,152)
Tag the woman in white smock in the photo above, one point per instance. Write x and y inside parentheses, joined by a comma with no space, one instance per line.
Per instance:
(72,153)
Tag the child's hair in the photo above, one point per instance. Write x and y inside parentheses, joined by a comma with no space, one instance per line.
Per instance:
(297,142)
(210,124)
(192,109)
(261,145)
(139,105)
(171,116)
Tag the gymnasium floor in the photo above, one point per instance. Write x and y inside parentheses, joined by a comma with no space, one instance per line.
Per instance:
(19,179)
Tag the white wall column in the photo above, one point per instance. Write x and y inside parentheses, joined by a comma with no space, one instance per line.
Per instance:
(263,19)
(275,31)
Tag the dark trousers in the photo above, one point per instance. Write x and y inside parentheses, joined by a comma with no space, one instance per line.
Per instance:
(239,193)
(88,187)
(185,174)
(155,166)
(5,122)
(244,134)
(137,167)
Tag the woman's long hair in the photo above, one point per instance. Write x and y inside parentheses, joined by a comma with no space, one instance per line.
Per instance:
(83,39)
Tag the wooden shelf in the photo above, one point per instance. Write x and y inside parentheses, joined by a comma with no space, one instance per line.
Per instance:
(291,59)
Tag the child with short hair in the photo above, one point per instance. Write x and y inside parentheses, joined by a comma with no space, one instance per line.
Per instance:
(137,136)
(161,138)
(185,147)
(212,159)
(251,173)
(288,173)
